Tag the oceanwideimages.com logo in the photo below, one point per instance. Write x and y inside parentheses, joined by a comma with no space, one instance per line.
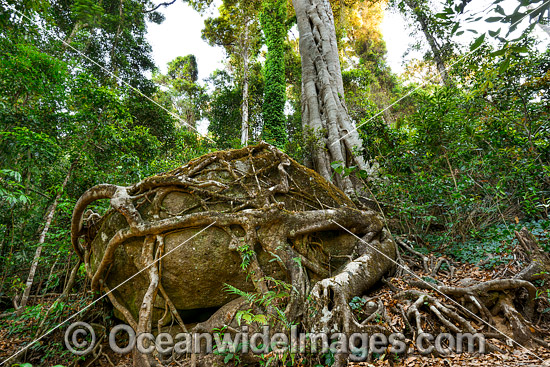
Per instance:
(80,339)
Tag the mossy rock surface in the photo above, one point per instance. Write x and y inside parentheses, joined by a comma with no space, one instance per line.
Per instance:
(196,269)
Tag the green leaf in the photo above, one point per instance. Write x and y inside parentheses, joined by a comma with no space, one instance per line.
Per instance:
(493,19)
(504,65)
(455,28)
(238,317)
(477,42)
(261,319)
(338,167)
(227,358)
(495,33)
(520,49)
(498,53)
(362,174)
(348,171)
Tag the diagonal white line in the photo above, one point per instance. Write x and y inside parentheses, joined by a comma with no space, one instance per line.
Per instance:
(105,295)
(436,290)
(426,81)
(112,74)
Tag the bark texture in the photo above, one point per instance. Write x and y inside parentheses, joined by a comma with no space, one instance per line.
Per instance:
(325,119)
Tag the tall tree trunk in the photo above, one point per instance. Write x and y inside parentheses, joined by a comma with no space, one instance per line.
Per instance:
(117,36)
(41,239)
(432,41)
(325,116)
(244,105)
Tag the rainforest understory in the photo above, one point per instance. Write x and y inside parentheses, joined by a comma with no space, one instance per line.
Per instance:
(294,249)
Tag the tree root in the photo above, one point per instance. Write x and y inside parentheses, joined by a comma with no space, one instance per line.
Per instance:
(535,256)
(261,206)
(271,210)
(430,265)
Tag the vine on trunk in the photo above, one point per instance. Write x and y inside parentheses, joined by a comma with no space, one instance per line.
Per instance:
(273,20)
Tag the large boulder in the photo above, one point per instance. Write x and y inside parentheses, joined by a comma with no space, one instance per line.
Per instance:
(209,221)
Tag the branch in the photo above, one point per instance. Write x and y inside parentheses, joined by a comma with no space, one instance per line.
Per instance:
(158,6)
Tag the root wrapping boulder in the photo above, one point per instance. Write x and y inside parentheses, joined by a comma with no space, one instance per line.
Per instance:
(237,217)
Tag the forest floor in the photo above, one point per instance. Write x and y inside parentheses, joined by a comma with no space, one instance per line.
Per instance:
(14,334)
(511,355)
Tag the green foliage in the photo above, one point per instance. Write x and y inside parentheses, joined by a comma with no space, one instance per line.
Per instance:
(187,97)
(50,351)
(111,33)
(493,245)
(273,17)
(145,113)
(276,298)
(428,28)
(236,29)
(87,11)
(230,352)
(279,293)
(247,254)
(224,112)
(11,190)
(56,112)
(467,158)
(183,69)
(357,303)
(534,11)
(29,76)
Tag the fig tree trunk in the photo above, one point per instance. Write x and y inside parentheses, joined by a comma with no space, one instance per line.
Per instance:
(325,119)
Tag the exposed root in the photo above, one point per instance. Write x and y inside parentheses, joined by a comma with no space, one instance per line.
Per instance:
(537,259)
(430,265)
(258,196)
(474,309)
(266,205)
(331,296)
